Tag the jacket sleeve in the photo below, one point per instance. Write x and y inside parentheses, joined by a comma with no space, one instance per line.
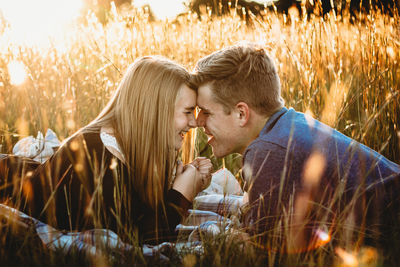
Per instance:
(13,169)
(177,207)
(62,187)
(161,228)
(266,169)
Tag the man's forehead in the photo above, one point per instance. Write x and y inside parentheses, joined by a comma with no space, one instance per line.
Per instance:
(204,95)
(209,105)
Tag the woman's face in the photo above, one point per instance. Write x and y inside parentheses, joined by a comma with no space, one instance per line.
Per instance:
(184,119)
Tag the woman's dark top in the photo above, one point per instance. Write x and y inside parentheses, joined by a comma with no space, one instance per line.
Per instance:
(84,186)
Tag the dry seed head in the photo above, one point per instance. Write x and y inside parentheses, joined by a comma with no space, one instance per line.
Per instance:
(348,259)
(295,239)
(113,164)
(313,170)
(333,103)
(369,256)
(390,52)
(189,260)
(27,190)
(74,146)
(71,124)
(22,126)
(78,167)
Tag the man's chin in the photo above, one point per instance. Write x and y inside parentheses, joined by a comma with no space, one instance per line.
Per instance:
(217,153)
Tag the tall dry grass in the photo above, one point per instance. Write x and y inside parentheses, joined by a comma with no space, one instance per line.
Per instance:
(347,75)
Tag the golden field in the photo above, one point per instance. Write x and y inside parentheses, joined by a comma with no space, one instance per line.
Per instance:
(345,74)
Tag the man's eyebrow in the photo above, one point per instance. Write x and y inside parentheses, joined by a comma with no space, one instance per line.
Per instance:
(202,108)
(190,108)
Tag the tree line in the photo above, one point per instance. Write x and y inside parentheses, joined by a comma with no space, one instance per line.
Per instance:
(247,8)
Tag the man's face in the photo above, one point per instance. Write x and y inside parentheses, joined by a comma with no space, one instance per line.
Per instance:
(222,129)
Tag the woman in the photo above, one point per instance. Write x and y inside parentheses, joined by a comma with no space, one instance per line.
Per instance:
(118,171)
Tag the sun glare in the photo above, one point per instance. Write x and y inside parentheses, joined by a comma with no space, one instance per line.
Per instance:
(17,72)
(34,21)
(323,236)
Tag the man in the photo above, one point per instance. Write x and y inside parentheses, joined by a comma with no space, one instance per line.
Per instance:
(300,174)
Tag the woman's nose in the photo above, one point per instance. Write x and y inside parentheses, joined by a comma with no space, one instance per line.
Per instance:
(192,122)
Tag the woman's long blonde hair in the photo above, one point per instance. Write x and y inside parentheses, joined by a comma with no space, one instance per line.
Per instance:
(141,112)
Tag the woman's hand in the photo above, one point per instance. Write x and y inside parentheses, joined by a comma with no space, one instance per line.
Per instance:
(193,177)
(205,167)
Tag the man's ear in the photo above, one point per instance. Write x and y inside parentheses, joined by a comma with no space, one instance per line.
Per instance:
(243,113)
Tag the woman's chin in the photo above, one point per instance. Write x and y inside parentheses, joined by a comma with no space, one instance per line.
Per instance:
(178,146)
(178,142)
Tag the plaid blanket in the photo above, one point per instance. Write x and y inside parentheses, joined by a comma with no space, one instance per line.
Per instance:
(212,214)
(216,209)
(90,242)
(210,218)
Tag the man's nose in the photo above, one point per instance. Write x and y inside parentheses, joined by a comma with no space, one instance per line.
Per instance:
(200,119)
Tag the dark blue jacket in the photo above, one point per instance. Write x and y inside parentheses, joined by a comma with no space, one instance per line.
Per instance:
(353,178)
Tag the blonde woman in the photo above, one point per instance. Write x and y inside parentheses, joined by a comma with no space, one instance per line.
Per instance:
(120,172)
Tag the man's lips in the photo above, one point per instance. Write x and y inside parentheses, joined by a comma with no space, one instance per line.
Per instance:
(209,135)
(207,132)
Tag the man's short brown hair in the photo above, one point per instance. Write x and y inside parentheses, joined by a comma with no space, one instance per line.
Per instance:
(242,72)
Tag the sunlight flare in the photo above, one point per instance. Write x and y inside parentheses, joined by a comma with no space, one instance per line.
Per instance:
(34,21)
(323,237)
(17,72)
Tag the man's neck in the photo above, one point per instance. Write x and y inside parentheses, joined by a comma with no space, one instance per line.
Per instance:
(259,124)
(256,125)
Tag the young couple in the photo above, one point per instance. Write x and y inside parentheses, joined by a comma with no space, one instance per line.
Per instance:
(120,172)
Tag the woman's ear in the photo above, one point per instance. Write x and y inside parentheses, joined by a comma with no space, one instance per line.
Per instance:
(243,113)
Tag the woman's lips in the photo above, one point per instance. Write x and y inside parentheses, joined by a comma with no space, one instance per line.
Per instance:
(182,134)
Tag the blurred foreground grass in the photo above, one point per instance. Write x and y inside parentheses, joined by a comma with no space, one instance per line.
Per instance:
(347,75)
